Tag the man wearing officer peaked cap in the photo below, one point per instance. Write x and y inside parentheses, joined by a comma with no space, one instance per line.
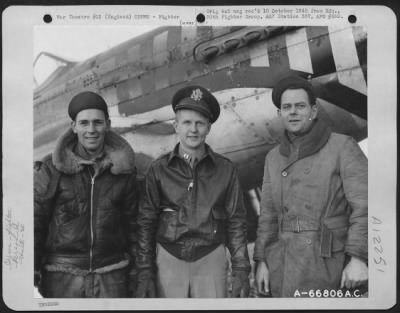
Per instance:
(314,236)
(192,207)
(86,200)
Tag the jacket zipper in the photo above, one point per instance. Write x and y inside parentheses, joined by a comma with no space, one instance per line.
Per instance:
(192,186)
(91,222)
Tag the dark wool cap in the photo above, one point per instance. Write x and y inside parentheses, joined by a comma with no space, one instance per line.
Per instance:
(292,82)
(87,100)
(198,99)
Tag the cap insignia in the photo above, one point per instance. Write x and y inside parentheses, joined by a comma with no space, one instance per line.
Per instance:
(197,95)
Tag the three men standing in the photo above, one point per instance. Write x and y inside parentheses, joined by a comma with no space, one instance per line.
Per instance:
(192,207)
(312,231)
(85,209)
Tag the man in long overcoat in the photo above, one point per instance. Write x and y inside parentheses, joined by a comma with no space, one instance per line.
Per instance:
(312,232)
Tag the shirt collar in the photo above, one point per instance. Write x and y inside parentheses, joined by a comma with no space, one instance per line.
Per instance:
(209,154)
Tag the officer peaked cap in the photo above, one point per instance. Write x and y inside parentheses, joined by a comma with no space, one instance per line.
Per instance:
(198,99)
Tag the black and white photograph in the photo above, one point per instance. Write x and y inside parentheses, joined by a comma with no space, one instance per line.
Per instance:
(200,154)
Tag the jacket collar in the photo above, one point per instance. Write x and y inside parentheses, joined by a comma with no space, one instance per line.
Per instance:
(209,153)
(118,155)
(312,142)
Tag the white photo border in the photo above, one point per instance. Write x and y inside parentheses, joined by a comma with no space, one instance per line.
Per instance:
(18,25)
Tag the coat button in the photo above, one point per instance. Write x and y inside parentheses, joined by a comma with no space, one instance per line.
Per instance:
(308,241)
(284,173)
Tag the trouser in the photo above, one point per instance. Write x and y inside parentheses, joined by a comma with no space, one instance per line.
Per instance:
(113,284)
(204,278)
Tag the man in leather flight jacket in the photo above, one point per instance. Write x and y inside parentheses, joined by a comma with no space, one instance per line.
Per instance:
(85,209)
(192,208)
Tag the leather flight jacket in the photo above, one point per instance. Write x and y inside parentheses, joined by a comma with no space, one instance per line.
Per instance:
(85,220)
(191,211)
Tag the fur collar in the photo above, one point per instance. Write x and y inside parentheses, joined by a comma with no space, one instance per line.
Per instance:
(118,155)
(314,140)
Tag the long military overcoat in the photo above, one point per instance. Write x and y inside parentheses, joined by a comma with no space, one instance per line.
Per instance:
(313,212)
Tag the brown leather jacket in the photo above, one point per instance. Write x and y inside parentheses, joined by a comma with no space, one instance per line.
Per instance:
(190,211)
(85,221)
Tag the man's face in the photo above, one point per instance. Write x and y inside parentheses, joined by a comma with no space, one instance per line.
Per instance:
(90,126)
(192,129)
(296,111)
